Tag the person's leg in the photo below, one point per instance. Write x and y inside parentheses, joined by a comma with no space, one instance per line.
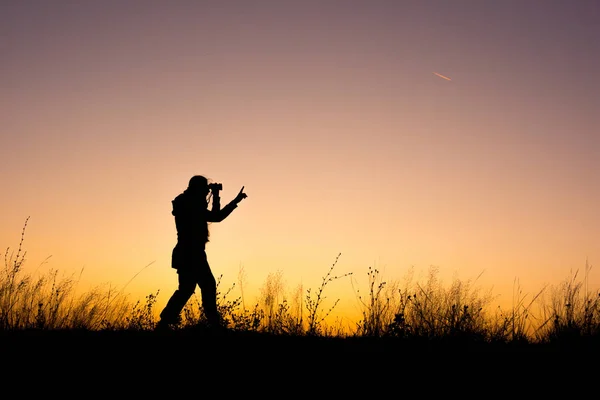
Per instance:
(187,285)
(208,288)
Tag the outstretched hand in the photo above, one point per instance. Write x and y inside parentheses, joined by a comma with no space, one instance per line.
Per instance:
(241,195)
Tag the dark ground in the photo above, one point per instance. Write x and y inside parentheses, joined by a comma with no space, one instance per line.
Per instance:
(79,343)
(141,361)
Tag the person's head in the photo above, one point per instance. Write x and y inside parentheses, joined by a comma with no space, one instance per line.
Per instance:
(198,185)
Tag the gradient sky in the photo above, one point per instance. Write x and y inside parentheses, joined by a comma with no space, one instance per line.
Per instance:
(330,114)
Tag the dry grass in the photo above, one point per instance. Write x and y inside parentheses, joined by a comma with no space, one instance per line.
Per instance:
(428,311)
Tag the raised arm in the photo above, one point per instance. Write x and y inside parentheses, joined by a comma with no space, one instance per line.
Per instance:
(218,214)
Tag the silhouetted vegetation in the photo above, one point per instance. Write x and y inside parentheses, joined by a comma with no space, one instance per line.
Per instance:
(416,312)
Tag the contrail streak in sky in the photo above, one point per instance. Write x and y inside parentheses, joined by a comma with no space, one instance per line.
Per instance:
(442,76)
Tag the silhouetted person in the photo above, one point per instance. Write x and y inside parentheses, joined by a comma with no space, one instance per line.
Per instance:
(192,216)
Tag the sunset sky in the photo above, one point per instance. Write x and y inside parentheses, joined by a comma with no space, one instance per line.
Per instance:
(336,116)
